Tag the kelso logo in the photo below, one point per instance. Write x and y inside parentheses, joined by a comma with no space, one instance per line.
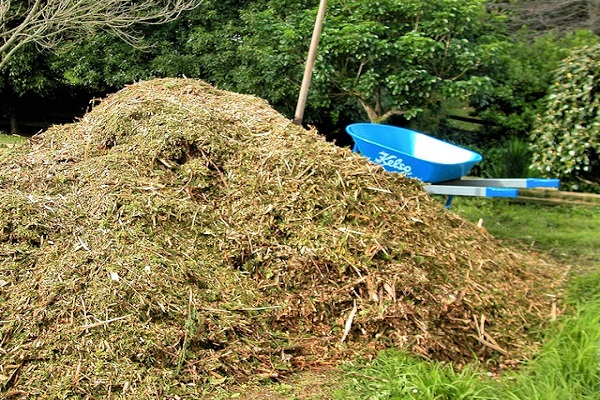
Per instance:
(393,162)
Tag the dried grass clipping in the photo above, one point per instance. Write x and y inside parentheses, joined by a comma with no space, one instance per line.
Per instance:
(179,235)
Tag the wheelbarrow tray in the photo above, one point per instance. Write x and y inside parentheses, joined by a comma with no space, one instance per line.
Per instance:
(413,153)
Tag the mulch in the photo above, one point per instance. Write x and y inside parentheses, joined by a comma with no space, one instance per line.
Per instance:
(179,236)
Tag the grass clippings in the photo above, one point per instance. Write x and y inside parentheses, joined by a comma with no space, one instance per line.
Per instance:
(179,236)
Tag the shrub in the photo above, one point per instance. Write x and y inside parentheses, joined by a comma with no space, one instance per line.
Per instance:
(511,160)
(566,140)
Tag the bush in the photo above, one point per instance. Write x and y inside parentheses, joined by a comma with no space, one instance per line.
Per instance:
(522,71)
(512,159)
(566,140)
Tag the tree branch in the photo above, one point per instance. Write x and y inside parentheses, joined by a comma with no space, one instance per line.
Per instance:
(376,117)
(561,15)
(46,23)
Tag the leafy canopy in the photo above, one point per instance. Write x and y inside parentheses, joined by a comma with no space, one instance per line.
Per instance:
(46,23)
(398,57)
(383,57)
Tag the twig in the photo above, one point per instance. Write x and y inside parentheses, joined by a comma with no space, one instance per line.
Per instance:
(166,163)
(352,284)
(348,325)
(346,230)
(482,335)
(256,308)
(379,189)
(100,323)
(491,345)
(82,244)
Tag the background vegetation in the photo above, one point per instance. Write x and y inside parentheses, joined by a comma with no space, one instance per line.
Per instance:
(409,63)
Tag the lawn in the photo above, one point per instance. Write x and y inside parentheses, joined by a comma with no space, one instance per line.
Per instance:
(9,141)
(569,234)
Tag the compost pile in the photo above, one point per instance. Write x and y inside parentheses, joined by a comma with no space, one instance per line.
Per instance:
(180,235)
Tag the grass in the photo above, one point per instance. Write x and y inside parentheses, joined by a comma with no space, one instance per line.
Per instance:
(570,234)
(568,365)
(395,375)
(7,140)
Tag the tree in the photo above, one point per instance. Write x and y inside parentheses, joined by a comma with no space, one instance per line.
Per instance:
(566,142)
(399,57)
(47,22)
(258,47)
(380,57)
(104,63)
(28,71)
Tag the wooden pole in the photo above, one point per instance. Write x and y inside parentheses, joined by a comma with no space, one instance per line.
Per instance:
(310,63)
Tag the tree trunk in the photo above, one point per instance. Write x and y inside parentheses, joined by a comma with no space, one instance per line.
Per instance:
(376,115)
(14,130)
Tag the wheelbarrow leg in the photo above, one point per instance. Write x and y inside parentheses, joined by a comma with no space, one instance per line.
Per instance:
(449,201)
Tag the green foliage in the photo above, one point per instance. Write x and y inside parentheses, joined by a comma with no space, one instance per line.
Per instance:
(568,367)
(566,141)
(7,140)
(522,70)
(570,234)
(29,70)
(104,62)
(398,58)
(87,67)
(255,47)
(511,159)
(384,57)
(397,376)
(378,60)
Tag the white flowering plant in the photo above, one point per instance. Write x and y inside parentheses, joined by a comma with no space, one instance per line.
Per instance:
(566,139)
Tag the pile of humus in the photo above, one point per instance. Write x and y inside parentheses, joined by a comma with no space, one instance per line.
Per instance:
(178,235)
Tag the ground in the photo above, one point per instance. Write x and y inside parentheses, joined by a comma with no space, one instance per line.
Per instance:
(313,385)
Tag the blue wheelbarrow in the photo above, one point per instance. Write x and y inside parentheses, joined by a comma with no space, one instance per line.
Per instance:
(415,154)
(442,166)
